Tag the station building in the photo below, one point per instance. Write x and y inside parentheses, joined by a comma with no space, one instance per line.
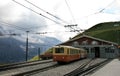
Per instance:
(96,48)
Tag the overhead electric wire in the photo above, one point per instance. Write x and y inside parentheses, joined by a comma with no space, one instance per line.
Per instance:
(70,11)
(37,12)
(42,14)
(101,10)
(20,28)
(47,12)
(106,6)
(72,16)
(32,32)
(14,26)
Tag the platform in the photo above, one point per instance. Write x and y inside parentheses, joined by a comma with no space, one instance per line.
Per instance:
(111,69)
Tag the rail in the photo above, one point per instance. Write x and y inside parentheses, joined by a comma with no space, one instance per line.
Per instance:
(28,73)
(82,69)
(23,64)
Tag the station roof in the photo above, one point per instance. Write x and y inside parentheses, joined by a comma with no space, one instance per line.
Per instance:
(91,38)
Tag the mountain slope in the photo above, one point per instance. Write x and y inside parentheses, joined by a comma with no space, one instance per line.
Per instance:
(10,50)
(109,31)
(13,50)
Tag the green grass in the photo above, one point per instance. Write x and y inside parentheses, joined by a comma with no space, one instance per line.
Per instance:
(109,31)
(37,58)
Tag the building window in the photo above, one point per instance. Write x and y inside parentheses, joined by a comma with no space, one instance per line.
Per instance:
(94,43)
(108,50)
(75,43)
(111,51)
(85,42)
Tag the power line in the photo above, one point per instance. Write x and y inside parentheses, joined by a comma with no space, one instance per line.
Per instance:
(40,13)
(106,6)
(44,15)
(71,26)
(46,12)
(23,29)
(16,27)
(101,10)
(37,12)
(70,11)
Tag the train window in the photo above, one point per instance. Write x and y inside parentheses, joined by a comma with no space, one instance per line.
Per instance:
(74,51)
(59,50)
(71,51)
(67,51)
(77,52)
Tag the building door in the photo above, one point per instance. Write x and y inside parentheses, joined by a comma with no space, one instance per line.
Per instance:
(97,52)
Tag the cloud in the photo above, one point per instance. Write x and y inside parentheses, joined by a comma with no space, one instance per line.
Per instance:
(9,11)
(114,8)
(13,13)
(32,22)
(17,15)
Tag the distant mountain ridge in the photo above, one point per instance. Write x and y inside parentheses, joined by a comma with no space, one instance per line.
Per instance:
(12,48)
(109,31)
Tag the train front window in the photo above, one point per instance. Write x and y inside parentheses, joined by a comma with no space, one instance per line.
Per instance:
(59,50)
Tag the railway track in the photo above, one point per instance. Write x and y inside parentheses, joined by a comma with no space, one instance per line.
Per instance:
(87,68)
(40,70)
(22,64)
(14,69)
(60,71)
(32,72)
(94,68)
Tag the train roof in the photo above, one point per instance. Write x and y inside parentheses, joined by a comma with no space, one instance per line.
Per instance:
(66,46)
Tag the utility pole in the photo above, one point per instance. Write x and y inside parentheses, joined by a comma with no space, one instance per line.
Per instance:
(27,46)
(39,53)
(118,37)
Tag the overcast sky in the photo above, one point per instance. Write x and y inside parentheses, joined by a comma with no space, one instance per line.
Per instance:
(84,13)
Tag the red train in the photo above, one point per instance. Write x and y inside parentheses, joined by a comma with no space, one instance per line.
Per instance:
(46,55)
(68,53)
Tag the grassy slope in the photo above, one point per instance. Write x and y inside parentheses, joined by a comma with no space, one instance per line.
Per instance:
(37,58)
(34,58)
(109,31)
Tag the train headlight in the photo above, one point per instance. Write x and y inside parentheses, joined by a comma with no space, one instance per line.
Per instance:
(63,57)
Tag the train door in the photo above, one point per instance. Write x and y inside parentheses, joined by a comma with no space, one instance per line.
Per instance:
(97,52)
